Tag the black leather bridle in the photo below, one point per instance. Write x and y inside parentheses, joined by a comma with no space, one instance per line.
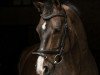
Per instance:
(58,52)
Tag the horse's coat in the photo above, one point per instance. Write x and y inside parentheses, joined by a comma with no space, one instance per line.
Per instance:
(77,59)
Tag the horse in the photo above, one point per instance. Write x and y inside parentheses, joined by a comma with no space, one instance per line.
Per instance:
(63,48)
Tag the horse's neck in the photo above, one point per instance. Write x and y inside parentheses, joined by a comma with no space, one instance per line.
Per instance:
(75,26)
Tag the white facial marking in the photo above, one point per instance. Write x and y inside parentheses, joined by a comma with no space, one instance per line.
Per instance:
(40,60)
(44,26)
(41,48)
(40,68)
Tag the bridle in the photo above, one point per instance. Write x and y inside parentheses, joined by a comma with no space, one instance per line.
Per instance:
(59,51)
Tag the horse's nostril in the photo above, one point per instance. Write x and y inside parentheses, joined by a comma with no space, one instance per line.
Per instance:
(46,71)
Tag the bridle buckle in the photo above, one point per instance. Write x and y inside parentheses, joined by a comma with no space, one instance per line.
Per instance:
(58,59)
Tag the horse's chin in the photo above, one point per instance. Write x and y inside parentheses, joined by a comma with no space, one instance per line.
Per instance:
(50,73)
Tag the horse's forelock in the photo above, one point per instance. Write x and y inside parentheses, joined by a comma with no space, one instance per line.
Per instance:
(48,7)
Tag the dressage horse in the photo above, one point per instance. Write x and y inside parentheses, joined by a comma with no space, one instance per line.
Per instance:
(63,49)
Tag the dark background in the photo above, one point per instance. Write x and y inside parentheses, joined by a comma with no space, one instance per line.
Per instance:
(18,20)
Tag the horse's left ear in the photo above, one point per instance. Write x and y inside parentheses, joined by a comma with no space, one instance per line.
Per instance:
(39,6)
(57,2)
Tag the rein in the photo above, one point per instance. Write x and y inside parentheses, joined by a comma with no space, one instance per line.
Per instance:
(58,52)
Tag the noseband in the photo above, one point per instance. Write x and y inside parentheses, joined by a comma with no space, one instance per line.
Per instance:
(59,51)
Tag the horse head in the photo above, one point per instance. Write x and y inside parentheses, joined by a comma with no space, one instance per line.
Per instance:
(53,33)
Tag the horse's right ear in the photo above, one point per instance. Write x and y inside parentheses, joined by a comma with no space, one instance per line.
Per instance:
(39,6)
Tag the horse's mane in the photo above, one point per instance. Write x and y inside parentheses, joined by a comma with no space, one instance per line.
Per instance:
(73,7)
(75,26)
(48,6)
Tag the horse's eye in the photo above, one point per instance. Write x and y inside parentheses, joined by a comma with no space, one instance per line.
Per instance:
(57,30)
(35,66)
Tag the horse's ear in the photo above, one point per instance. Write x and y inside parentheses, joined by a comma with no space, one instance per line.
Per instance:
(57,2)
(39,6)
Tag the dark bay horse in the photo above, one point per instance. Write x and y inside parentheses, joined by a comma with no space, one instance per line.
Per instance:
(63,49)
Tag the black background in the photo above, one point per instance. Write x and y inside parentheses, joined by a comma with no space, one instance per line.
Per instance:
(17,30)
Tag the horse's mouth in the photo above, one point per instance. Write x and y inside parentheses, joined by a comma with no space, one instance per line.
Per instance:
(47,73)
